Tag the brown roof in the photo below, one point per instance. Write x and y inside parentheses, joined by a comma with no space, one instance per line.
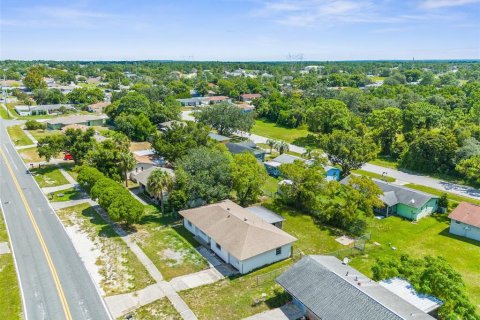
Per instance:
(467,213)
(251,95)
(242,233)
(245,106)
(99,106)
(217,98)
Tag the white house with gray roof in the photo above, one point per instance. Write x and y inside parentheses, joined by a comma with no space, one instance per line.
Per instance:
(325,288)
(238,236)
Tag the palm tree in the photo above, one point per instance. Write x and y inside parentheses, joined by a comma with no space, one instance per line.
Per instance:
(282,147)
(158,182)
(271,143)
(126,162)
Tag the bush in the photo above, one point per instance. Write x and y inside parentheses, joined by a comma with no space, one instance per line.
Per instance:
(88,176)
(35,125)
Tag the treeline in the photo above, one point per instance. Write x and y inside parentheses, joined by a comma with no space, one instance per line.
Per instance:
(117,201)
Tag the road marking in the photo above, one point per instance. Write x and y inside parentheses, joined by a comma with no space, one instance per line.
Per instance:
(56,279)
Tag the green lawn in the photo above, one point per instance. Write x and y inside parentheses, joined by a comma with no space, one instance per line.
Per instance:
(429,236)
(270,186)
(160,309)
(120,269)
(39,134)
(171,248)
(70,168)
(48,176)
(19,138)
(10,302)
(451,196)
(373,175)
(66,195)
(273,131)
(3,113)
(30,155)
(385,162)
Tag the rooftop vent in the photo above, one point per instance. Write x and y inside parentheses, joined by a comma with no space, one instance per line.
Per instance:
(244,219)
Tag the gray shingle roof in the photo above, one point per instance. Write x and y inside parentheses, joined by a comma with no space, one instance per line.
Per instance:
(218,137)
(322,285)
(265,214)
(237,148)
(394,194)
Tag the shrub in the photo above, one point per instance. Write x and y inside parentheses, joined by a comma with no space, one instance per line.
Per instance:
(35,125)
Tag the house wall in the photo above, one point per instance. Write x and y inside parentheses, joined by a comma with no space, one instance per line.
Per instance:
(222,253)
(265,258)
(464,230)
(416,214)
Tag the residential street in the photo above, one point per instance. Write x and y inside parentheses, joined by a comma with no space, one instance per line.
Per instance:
(425,181)
(54,282)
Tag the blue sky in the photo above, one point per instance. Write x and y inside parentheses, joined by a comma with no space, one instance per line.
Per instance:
(240,29)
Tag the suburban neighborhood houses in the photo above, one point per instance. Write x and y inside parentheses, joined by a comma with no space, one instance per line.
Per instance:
(210,179)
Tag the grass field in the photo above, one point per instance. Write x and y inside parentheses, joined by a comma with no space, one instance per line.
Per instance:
(429,236)
(30,155)
(3,113)
(66,195)
(48,176)
(373,175)
(120,269)
(171,248)
(451,196)
(19,138)
(39,134)
(273,131)
(385,162)
(160,309)
(10,302)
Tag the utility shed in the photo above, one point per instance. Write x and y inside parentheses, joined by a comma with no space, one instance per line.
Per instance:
(465,221)
(325,288)
(267,215)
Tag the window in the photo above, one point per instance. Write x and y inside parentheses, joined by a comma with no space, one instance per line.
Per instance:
(219,247)
(189,223)
(278,251)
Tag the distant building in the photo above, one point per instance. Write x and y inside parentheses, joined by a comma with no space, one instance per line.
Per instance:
(86,120)
(267,215)
(245,107)
(465,221)
(42,109)
(246,146)
(248,97)
(325,288)
(218,137)
(238,236)
(141,177)
(98,107)
(273,166)
(203,101)
(404,202)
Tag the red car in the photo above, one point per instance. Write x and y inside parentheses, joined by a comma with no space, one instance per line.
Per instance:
(67,156)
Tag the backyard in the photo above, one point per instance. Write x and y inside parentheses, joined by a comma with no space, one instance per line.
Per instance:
(168,244)
(10,302)
(118,268)
(429,236)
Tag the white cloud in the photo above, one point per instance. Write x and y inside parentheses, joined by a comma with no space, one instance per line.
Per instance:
(436,4)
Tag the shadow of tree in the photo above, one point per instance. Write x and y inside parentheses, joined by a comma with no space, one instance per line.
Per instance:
(308,141)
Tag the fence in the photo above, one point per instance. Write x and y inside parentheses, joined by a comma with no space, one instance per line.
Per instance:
(272,275)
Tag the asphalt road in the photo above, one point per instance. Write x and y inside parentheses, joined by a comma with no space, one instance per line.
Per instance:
(54,282)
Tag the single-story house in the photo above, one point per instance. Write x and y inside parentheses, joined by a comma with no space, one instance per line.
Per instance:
(246,146)
(465,221)
(273,166)
(141,177)
(42,109)
(218,137)
(248,97)
(217,99)
(238,236)
(404,202)
(326,288)
(169,124)
(87,120)
(191,102)
(268,215)
(98,107)
(245,107)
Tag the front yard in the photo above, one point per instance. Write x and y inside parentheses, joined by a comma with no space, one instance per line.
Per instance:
(273,131)
(67,195)
(160,309)
(19,138)
(48,176)
(118,268)
(170,247)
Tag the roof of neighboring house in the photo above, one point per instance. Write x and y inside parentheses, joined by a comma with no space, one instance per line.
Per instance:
(99,106)
(239,231)
(169,124)
(75,126)
(467,213)
(251,95)
(76,119)
(267,215)
(240,147)
(333,290)
(245,106)
(395,194)
(142,176)
(216,98)
(287,158)
(218,137)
